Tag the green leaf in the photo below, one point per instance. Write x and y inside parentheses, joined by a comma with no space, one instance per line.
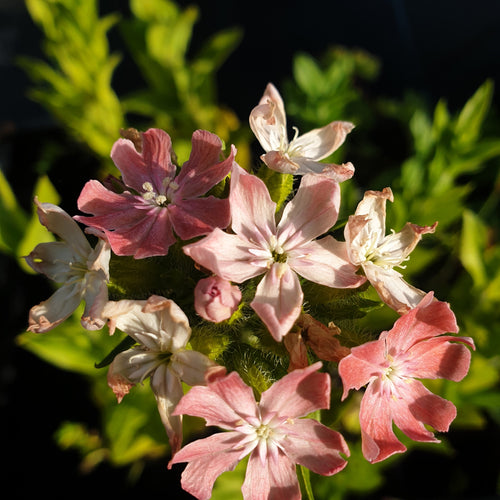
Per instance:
(13,219)
(280,185)
(305,482)
(472,244)
(308,75)
(470,119)
(35,232)
(69,346)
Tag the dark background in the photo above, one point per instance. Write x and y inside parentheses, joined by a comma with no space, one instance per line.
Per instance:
(439,48)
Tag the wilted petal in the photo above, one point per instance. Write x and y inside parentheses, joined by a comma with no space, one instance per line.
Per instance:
(392,288)
(167,389)
(268,120)
(58,307)
(57,221)
(191,366)
(322,142)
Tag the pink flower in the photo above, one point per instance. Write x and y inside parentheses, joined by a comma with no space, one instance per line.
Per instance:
(280,252)
(141,220)
(82,270)
(378,254)
(215,299)
(271,431)
(161,330)
(302,154)
(414,348)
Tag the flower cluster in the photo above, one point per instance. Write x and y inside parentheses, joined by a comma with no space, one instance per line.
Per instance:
(247,259)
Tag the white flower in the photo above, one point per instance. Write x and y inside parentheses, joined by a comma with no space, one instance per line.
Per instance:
(303,154)
(378,254)
(82,270)
(162,331)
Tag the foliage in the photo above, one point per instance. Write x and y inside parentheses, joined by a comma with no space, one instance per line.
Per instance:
(450,174)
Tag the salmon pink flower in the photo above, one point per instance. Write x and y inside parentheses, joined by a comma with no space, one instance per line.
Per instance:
(280,252)
(141,220)
(82,270)
(161,329)
(215,299)
(271,432)
(303,154)
(378,254)
(414,348)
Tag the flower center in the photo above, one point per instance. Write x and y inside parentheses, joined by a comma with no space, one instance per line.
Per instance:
(277,252)
(163,198)
(387,254)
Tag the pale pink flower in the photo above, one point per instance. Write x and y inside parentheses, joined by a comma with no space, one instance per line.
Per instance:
(156,203)
(82,271)
(378,254)
(162,331)
(303,154)
(215,299)
(280,252)
(414,348)
(271,432)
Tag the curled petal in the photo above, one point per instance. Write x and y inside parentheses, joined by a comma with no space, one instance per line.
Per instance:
(57,308)
(321,142)
(268,120)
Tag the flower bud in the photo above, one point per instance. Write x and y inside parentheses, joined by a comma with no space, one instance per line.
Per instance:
(215,299)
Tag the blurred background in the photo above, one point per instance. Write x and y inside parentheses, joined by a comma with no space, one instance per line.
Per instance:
(419,80)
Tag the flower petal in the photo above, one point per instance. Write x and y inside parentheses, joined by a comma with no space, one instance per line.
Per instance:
(375,416)
(57,221)
(199,216)
(278,300)
(167,389)
(270,480)
(414,405)
(298,393)
(252,210)
(268,120)
(314,446)
(208,458)
(311,213)
(204,169)
(153,164)
(226,255)
(365,362)
(325,262)
(225,402)
(392,288)
(321,142)
(191,366)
